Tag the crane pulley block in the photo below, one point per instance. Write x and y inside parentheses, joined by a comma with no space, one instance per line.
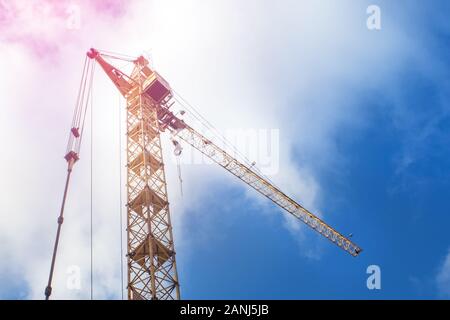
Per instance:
(76,132)
(71,157)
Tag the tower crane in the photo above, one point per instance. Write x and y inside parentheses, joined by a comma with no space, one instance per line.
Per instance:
(151,263)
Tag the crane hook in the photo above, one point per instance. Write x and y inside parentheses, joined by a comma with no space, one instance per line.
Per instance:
(178,148)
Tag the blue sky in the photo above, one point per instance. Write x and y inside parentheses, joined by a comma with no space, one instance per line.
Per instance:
(363,118)
(398,212)
(400,220)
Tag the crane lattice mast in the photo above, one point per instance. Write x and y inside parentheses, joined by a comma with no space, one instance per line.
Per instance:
(152,270)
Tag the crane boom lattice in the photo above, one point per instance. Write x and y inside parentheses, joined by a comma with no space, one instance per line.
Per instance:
(263,186)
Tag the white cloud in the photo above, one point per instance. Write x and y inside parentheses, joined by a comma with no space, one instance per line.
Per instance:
(443,277)
(294,67)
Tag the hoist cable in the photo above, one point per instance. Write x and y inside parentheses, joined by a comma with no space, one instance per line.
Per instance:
(91,213)
(75,111)
(120,201)
(77,106)
(89,95)
(179,175)
(203,121)
(80,110)
(72,155)
(118,56)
